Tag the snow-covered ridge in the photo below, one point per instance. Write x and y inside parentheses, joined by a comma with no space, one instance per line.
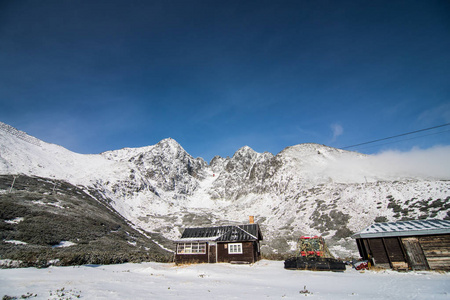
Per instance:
(23,154)
(169,145)
(20,134)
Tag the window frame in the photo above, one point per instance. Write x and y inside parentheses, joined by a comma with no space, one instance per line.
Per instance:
(190,248)
(235,248)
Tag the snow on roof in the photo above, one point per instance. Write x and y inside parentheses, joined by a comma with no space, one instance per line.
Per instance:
(197,239)
(405,228)
(249,232)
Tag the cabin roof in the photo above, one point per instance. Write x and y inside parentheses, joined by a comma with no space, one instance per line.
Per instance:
(405,228)
(231,233)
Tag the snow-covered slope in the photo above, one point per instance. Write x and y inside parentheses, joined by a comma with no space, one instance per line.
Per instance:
(305,189)
(23,154)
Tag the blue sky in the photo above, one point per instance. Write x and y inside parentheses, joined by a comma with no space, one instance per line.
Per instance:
(94,75)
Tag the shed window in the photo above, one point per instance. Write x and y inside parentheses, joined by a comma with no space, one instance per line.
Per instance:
(191,248)
(235,248)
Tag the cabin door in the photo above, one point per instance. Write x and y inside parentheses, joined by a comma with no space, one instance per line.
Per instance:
(416,258)
(212,253)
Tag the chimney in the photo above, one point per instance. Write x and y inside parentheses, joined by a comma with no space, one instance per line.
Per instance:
(251,219)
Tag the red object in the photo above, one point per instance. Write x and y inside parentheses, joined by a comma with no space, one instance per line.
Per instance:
(362,265)
(309,237)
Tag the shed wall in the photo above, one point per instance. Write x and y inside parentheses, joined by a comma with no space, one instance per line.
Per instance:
(394,249)
(416,252)
(437,251)
(396,255)
(378,252)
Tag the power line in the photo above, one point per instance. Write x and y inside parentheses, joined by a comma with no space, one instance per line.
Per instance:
(395,136)
(402,140)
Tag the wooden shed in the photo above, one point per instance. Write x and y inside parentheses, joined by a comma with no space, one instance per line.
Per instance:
(232,244)
(414,245)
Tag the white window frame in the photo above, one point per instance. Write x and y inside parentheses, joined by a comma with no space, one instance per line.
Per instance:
(191,248)
(235,248)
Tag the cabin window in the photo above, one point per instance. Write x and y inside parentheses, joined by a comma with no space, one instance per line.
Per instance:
(191,248)
(235,248)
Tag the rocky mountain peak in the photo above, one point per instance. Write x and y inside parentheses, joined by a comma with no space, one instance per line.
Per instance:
(169,167)
(170,145)
(244,151)
(217,163)
(307,149)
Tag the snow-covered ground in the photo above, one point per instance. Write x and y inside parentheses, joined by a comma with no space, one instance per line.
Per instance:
(265,279)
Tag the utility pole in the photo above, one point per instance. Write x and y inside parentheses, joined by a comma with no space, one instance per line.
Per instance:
(54,185)
(12,185)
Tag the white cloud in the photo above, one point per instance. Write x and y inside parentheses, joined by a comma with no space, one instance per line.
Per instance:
(337,131)
(432,162)
(434,114)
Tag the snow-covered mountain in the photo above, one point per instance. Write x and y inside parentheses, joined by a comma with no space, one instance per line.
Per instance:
(305,189)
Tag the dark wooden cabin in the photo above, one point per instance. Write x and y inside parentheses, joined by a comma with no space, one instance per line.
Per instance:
(231,244)
(413,245)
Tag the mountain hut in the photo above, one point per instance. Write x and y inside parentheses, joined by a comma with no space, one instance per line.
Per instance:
(231,244)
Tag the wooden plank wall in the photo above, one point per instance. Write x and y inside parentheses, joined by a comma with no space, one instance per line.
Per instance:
(437,251)
(395,252)
(399,253)
(416,257)
(378,252)
(248,254)
(394,249)
(387,252)
(191,258)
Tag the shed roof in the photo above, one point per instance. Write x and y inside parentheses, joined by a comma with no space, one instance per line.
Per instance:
(405,228)
(231,233)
